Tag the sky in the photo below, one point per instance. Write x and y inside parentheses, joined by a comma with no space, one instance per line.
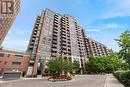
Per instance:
(102,20)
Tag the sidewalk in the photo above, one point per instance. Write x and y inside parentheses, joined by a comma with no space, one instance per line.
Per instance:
(21,79)
(111,81)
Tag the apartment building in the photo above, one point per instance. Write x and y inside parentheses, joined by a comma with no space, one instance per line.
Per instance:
(8,11)
(55,35)
(14,61)
(95,48)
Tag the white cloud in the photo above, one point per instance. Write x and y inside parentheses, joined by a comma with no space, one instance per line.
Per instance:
(113,26)
(100,28)
(92,30)
(105,26)
(119,8)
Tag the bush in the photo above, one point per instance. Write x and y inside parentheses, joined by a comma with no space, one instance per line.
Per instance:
(124,66)
(96,65)
(107,64)
(123,77)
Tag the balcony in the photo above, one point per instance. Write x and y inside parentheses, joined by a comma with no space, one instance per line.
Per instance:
(63,23)
(63,31)
(54,50)
(64,51)
(68,46)
(33,40)
(33,36)
(54,46)
(56,15)
(55,34)
(63,34)
(32,43)
(31,47)
(55,25)
(54,42)
(56,29)
(35,29)
(69,53)
(64,47)
(55,37)
(63,43)
(54,54)
(63,26)
(56,18)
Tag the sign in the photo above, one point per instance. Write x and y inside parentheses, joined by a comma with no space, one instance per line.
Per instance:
(7,7)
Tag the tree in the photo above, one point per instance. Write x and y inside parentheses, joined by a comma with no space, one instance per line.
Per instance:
(68,66)
(114,61)
(58,65)
(96,65)
(103,64)
(53,66)
(76,67)
(124,43)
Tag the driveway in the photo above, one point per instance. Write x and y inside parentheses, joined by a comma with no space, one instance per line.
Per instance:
(78,81)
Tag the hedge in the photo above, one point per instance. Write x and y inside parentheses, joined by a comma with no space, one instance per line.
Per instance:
(123,77)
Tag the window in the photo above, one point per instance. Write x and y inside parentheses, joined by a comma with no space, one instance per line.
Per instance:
(0,62)
(5,62)
(18,56)
(2,54)
(8,55)
(16,63)
(31,64)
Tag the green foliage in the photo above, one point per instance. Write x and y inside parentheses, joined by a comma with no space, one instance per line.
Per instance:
(76,66)
(103,64)
(124,66)
(124,43)
(96,65)
(123,77)
(68,66)
(58,65)
(114,61)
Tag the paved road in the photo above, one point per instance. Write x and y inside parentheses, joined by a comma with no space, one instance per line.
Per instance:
(78,81)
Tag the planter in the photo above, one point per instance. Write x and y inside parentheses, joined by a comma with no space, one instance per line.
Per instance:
(60,78)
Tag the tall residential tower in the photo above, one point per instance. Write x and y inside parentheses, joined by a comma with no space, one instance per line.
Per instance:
(56,35)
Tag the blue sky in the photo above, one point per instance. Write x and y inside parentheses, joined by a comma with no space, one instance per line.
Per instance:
(103,20)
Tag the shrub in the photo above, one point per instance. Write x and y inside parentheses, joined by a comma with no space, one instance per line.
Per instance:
(96,65)
(123,77)
(107,64)
(124,66)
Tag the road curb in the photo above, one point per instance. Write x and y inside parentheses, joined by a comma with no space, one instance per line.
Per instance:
(22,79)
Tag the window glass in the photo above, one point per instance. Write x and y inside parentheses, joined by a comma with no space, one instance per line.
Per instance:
(5,62)
(16,63)
(18,56)
(8,55)
(0,62)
